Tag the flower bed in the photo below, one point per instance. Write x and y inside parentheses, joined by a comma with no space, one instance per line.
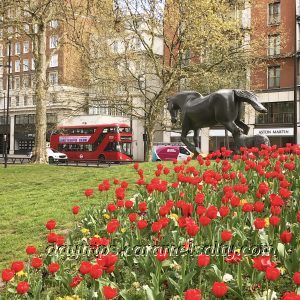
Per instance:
(206,229)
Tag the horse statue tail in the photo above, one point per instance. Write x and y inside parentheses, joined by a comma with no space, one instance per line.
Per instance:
(249,97)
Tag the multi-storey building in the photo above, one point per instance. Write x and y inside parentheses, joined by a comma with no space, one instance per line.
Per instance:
(65,93)
(276,79)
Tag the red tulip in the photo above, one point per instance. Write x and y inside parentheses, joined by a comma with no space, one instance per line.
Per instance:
(219,289)
(226,235)
(156,227)
(52,237)
(142,224)
(286,237)
(17,266)
(259,223)
(51,224)
(36,262)
(53,267)
(296,278)
(112,226)
(272,273)
(274,220)
(75,281)
(192,229)
(75,209)
(89,192)
(22,287)
(31,250)
(224,211)
(7,274)
(96,271)
(85,267)
(203,260)
(109,292)
(132,217)
(192,294)
(261,263)
(290,296)
(162,255)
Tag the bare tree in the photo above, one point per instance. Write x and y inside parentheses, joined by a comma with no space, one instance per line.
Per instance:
(35,19)
(137,52)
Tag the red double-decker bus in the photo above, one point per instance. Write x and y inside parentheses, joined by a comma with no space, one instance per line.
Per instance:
(102,142)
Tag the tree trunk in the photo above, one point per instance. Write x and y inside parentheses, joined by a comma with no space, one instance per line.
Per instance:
(40,93)
(150,135)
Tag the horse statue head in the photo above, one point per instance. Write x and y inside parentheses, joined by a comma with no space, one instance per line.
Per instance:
(177,101)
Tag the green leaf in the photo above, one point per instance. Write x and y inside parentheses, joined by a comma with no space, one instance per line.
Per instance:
(149,293)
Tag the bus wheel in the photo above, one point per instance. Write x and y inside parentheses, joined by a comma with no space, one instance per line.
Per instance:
(102,159)
(51,160)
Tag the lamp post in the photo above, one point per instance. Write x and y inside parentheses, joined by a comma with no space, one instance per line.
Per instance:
(4,122)
(142,80)
(7,106)
(297,20)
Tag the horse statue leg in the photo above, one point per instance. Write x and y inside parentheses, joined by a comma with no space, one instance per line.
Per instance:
(236,134)
(242,125)
(196,140)
(184,132)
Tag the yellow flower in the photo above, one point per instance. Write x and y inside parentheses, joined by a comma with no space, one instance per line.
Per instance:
(96,236)
(237,251)
(243,201)
(234,213)
(106,216)
(123,230)
(174,216)
(282,270)
(267,222)
(21,273)
(85,231)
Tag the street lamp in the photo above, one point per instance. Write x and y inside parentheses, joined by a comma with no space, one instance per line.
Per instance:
(5,142)
(297,20)
(142,80)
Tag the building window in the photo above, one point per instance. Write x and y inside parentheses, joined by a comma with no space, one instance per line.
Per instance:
(103,107)
(25,100)
(25,47)
(25,65)
(26,28)
(53,42)
(17,83)
(54,24)
(17,101)
(51,118)
(17,66)
(17,48)
(274,77)
(274,45)
(53,78)
(278,113)
(33,81)
(54,61)
(26,81)
(1,50)
(274,13)
(32,64)
(34,99)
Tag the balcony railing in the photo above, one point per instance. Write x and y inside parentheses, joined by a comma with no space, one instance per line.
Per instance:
(276,118)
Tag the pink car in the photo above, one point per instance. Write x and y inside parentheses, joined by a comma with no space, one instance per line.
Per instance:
(170,152)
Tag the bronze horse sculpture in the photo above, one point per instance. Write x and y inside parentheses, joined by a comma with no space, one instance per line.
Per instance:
(222,106)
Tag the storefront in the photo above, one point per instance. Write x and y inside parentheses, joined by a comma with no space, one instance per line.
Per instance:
(277,136)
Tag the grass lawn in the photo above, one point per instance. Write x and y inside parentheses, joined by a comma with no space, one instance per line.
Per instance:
(32,194)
